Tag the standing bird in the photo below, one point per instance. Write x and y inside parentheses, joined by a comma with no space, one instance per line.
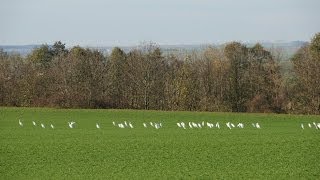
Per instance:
(145,125)
(315,125)
(114,123)
(71,124)
(52,126)
(34,123)
(183,125)
(253,125)
(42,125)
(257,125)
(309,125)
(97,125)
(130,125)
(20,123)
(218,125)
(302,126)
(228,125)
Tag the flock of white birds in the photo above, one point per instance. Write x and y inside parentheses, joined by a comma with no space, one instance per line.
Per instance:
(230,125)
(311,125)
(183,125)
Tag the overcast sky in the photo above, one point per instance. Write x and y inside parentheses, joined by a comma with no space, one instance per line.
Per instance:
(129,22)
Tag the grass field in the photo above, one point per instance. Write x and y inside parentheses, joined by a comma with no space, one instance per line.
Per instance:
(279,150)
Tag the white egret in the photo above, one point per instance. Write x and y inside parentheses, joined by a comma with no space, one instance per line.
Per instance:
(302,126)
(42,125)
(52,126)
(131,126)
(71,124)
(218,125)
(145,125)
(20,123)
(228,125)
(315,125)
(183,125)
(34,123)
(253,125)
(179,125)
(97,125)
(199,125)
(194,125)
(114,123)
(257,125)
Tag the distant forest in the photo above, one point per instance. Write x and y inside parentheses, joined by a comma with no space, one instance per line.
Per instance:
(233,78)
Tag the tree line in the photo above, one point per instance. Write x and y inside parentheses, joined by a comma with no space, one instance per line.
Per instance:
(233,78)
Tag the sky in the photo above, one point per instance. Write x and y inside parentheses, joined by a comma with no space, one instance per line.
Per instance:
(131,22)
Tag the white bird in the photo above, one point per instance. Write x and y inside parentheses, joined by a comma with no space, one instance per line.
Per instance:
(71,124)
(315,125)
(240,125)
(309,125)
(302,126)
(145,125)
(20,123)
(121,125)
(253,125)
(202,123)
(97,125)
(151,124)
(183,125)
(52,126)
(125,123)
(194,125)
(190,125)
(114,123)
(179,125)
(130,125)
(218,125)
(42,125)
(34,123)
(199,125)
(228,125)
(257,125)
(232,125)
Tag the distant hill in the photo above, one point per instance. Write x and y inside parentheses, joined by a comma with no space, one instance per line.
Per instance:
(289,48)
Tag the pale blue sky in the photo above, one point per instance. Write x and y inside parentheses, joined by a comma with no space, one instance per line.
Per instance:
(129,22)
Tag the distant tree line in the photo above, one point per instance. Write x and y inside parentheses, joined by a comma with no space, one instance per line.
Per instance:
(233,78)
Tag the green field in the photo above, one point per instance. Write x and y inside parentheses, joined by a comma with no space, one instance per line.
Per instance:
(279,150)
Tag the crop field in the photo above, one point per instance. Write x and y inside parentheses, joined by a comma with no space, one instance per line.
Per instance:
(280,149)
